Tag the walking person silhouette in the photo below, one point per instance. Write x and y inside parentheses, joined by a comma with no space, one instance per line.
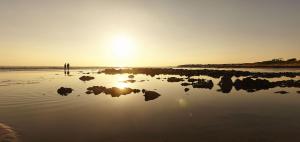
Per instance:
(68,68)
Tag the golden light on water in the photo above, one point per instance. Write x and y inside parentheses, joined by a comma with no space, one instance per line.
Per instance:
(120,82)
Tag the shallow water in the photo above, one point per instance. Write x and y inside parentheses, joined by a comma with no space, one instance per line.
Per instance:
(29,103)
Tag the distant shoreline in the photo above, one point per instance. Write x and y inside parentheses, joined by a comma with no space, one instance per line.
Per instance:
(274,63)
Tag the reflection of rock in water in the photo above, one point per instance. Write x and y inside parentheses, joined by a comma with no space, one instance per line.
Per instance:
(86,78)
(64,91)
(7,134)
(226,84)
(282,92)
(151,95)
(114,91)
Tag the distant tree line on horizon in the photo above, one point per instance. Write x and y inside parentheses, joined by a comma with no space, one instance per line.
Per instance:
(276,63)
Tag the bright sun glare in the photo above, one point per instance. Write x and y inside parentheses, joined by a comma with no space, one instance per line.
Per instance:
(123,46)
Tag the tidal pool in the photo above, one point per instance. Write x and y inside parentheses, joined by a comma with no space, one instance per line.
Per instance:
(31,105)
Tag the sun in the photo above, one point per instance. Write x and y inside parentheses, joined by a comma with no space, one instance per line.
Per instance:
(123,46)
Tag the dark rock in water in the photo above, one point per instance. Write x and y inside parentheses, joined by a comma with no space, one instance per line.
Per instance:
(129,81)
(151,95)
(298,92)
(142,81)
(131,76)
(252,85)
(86,78)
(202,83)
(185,84)
(158,78)
(186,89)
(95,90)
(175,79)
(282,92)
(64,91)
(114,91)
(143,90)
(226,84)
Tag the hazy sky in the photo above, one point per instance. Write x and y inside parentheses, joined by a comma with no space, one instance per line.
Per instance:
(154,32)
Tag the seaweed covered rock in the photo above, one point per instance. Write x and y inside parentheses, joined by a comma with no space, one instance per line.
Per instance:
(64,91)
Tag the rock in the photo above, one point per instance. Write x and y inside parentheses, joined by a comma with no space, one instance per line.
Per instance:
(96,90)
(151,95)
(114,91)
(131,76)
(174,79)
(86,78)
(281,92)
(129,81)
(226,84)
(186,89)
(185,84)
(64,91)
(202,83)
(298,92)
(252,85)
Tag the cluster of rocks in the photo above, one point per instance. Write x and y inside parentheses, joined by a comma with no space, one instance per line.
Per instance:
(199,83)
(114,91)
(64,91)
(86,78)
(150,95)
(252,85)
(206,72)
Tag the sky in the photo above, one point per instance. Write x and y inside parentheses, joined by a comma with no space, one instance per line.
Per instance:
(147,32)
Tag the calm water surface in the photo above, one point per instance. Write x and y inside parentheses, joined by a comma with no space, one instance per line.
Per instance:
(29,103)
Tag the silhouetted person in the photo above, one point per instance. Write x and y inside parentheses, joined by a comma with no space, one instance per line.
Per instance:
(65,66)
(68,66)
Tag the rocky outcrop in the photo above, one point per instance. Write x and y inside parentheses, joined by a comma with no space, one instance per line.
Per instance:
(203,83)
(114,91)
(226,84)
(150,95)
(64,91)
